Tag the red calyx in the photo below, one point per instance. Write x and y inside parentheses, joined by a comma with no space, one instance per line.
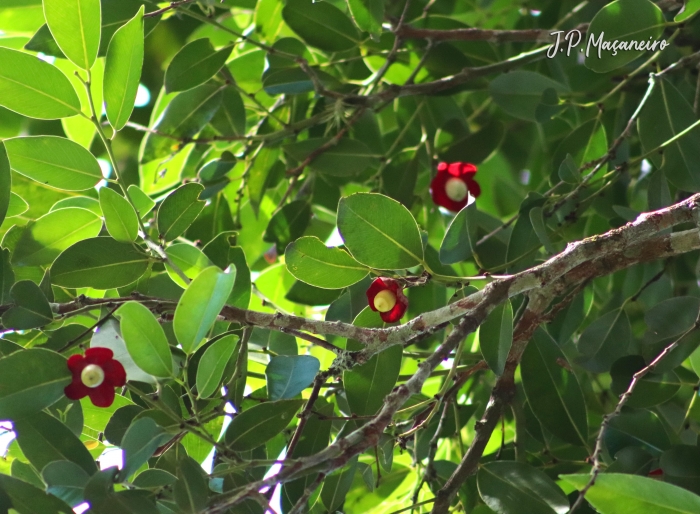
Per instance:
(463,171)
(114,376)
(388,284)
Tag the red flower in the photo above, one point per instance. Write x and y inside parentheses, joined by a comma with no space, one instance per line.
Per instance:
(95,375)
(453,184)
(385,296)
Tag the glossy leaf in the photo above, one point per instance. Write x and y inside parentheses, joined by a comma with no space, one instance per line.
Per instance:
(184,116)
(368,14)
(346,158)
(120,217)
(624,21)
(321,25)
(214,362)
(311,261)
(613,493)
(553,391)
(6,194)
(26,498)
(519,92)
(140,442)
(666,114)
(289,375)
(16,205)
(496,336)
(191,489)
(179,210)
(336,486)
(76,27)
(66,480)
(189,259)
(31,308)
(54,161)
(44,439)
(200,305)
(42,241)
(605,340)
(653,389)
(99,262)
(230,119)
(141,200)
(288,224)
(514,487)
(35,88)
(31,380)
(379,232)
(367,384)
(123,71)
(260,423)
(145,339)
(460,237)
(194,64)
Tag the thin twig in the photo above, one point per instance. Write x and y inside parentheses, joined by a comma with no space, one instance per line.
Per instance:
(637,377)
(173,5)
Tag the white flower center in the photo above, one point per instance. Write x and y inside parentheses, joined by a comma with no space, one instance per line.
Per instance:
(384,301)
(92,375)
(456,189)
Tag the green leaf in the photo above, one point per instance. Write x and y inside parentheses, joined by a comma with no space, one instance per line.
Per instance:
(189,259)
(179,210)
(194,64)
(379,232)
(184,116)
(460,237)
(29,499)
(7,277)
(44,439)
(211,367)
(199,306)
(230,119)
(666,114)
(311,261)
(259,174)
(367,385)
(553,391)
(640,428)
(35,88)
(84,202)
(288,224)
(54,161)
(680,465)
(289,375)
(515,487)
(368,14)
(321,24)
(145,340)
(16,206)
(120,217)
(519,92)
(76,27)
(604,341)
(123,71)
(615,493)
(568,170)
(141,200)
(100,263)
(586,143)
(260,423)
(540,228)
(337,485)
(66,480)
(623,21)
(240,296)
(191,489)
(42,241)
(6,194)
(689,9)
(30,310)
(348,157)
(496,336)
(652,389)
(31,380)
(139,443)
(153,479)
(119,423)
